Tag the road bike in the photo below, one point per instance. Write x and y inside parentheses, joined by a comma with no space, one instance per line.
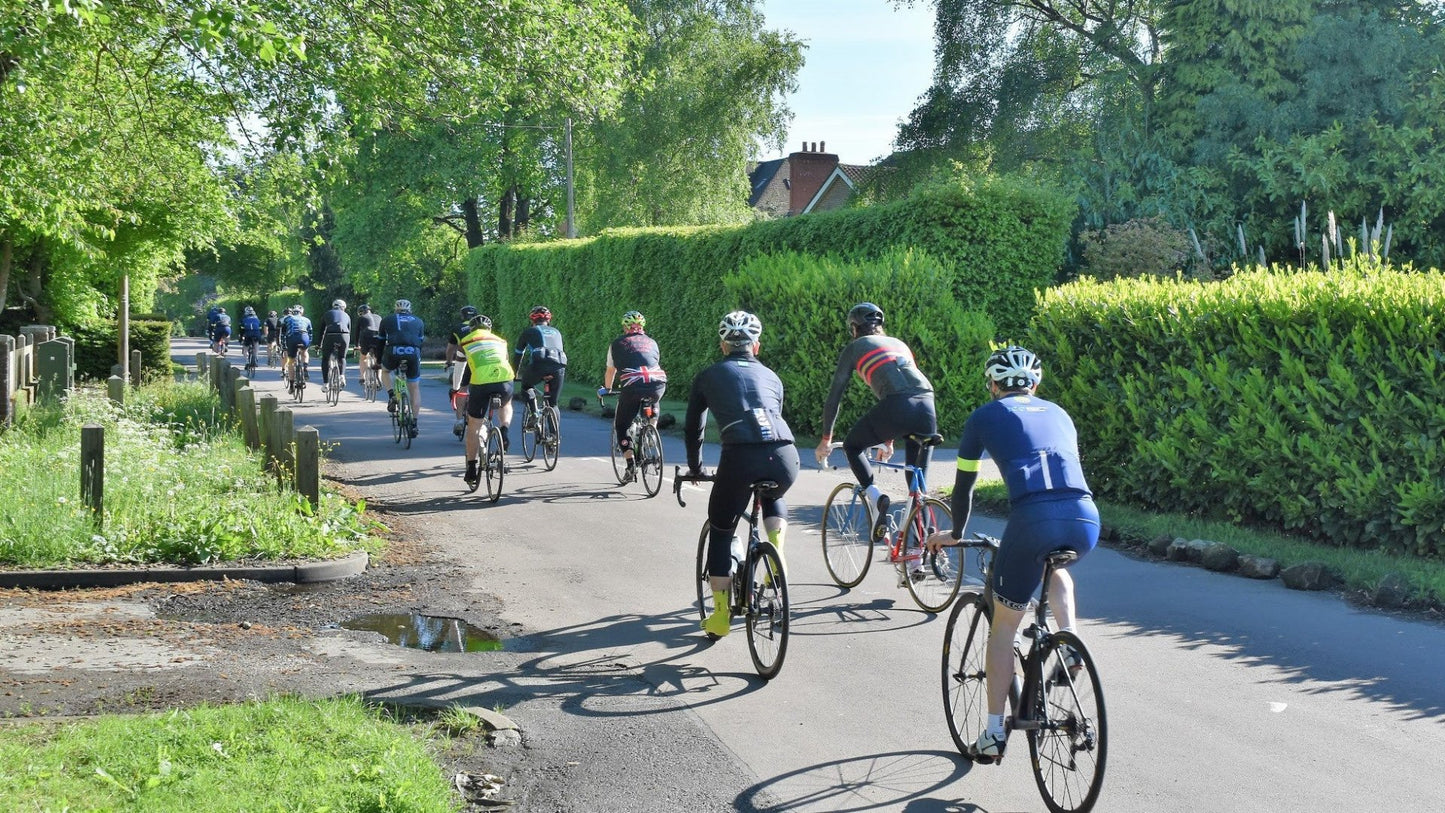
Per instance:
(273,353)
(334,378)
(646,449)
(493,464)
(759,594)
(370,378)
(403,420)
(296,384)
(1055,696)
(458,388)
(542,429)
(249,350)
(932,579)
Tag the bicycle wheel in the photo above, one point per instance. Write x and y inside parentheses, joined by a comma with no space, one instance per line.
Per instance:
(1068,750)
(250,360)
(704,587)
(847,543)
(531,435)
(408,420)
(965,655)
(397,427)
(649,459)
(369,384)
(551,436)
(767,611)
(496,465)
(932,578)
(619,463)
(333,383)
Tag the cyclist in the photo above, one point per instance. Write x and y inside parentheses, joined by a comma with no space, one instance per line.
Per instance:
(540,357)
(491,374)
(633,361)
(368,352)
(297,328)
(457,387)
(212,314)
(271,330)
(220,331)
(1036,448)
(250,331)
(746,400)
(905,403)
(402,335)
(335,336)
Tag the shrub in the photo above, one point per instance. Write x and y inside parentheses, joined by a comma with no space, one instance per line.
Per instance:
(96,347)
(1141,247)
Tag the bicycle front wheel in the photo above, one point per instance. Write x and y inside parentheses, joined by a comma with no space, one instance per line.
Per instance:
(965,657)
(766,615)
(333,383)
(551,436)
(649,459)
(496,467)
(397,427)
(704,586)
(847,542)
(932,578)
(531,435)
(1069,747)
(408,420)
(619,463)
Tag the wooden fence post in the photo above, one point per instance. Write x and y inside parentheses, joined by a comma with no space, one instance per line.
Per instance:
(308,464)
(268,431)
(9,373)
(285,444)
(92,469)
(135,368)
(115,388)
(227,379)
(246,403)
(203,366)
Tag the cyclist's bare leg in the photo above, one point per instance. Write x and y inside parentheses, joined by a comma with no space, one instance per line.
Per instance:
(1061,599)
(474,438)
(413,388)
(1000,663)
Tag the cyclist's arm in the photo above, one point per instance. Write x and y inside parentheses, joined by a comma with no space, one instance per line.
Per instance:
(610,373)
(835,394)
(692,425)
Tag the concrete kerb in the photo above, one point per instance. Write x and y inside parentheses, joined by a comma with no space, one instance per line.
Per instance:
(321,570)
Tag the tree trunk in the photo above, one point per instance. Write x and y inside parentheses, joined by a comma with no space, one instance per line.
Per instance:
(472,215)
(524,212)
(504,219)
(33,286)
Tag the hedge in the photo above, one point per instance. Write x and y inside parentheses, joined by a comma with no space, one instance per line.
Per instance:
(96,351)
(996,241)
(1312,402)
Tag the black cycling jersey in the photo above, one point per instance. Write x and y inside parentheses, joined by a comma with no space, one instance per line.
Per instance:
(637,360)
(745,399)
(272,328)
(402,330)
(335,321)
(540,347)
(884,363)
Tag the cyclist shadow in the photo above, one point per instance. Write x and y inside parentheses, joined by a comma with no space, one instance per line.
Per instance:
(900,780)
(822,615)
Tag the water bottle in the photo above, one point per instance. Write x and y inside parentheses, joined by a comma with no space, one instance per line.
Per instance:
(737,554)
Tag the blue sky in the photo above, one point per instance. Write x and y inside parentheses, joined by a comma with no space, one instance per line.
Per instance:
(866,65)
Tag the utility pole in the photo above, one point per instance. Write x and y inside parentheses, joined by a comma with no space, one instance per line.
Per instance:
(571,208)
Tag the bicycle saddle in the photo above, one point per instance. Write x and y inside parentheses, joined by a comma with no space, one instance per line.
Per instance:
(934,439)
(1061,556)
(765,485)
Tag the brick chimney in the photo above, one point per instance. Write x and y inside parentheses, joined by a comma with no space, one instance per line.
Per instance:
(807,170)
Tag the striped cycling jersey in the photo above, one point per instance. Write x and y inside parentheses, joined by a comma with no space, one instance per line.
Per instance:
(487,356)
(884,363)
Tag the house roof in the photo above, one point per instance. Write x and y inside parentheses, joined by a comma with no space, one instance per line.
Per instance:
(849,174)
(761,176)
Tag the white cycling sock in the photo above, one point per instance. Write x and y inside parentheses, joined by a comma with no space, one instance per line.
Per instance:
(872,492)
(995,725)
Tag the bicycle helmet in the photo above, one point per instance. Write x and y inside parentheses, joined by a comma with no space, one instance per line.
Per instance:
(633,322)
(739,328)
(481,320)
(250,311)
(272,313)
(364,309)
(339,304)
(300,310)
(864,314)
(469,313)
(541,314)
(1014,368)
(220,309)
(403,306)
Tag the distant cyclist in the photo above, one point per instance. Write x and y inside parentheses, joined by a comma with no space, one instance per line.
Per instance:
(634,363)
(540,357)
(490,374)
(297,327)
(1035,446)
(251,331)
(271,330)
(402,335)
(905,403)
(220,331)
(335,336)
(368,346)
(746,402)
(457,388)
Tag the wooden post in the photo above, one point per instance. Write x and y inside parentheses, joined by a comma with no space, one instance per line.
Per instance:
(203,365)
(135,368)
(285,444)
(115,388)
(215,379)
(268,432)
(8,375)
(122,344)
(92,469)
(308,464)
(227,386)
(246,405)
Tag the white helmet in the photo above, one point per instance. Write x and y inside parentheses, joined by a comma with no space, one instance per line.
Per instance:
(339,304)
(740,328)
(1014,368)
(403,306)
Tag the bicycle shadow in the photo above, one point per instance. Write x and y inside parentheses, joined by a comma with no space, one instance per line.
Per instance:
(899,780)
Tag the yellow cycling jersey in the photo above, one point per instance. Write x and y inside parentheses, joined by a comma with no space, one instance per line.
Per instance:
(487,355)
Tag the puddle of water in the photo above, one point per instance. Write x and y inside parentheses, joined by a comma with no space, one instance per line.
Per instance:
(430,633)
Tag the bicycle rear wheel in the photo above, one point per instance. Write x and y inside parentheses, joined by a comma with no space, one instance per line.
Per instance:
(397,427)
(649,459)
(531,435)
(408,420)
(847,543)
(1068,750)
(934,582)
(767,611)
(619,463)
(704,587)
(965,656)
(496,465)
(551,436)
(333,382)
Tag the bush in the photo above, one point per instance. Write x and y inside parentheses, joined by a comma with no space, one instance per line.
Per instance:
(96,347)
(1307,401)
(1141,247)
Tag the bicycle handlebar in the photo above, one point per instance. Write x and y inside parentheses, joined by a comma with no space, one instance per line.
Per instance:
(678,478)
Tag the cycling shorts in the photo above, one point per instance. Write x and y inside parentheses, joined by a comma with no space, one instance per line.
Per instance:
(295,342)
(479,397)
(1036,528)
(407,359)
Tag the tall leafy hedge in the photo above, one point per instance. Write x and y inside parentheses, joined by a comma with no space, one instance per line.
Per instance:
(1311,401)
(95,347)
(994,242)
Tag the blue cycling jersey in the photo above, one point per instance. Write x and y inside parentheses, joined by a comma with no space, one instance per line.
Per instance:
(1034,444)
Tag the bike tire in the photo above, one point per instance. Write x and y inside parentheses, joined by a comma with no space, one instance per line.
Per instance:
(496,464)
(396,424)
(965,659)
(939,574)
(767,612)
(531,435)
(649,459)
(847,543)
(704,586)
(408,420)
(1070,749)
(619,463)
(551,436)
(333,384)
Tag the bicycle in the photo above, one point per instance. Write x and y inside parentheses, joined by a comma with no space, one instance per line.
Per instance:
(493,464)
(542,429)
(646,449)
(334,372)
(1055,697)
(273,353)
(932,579)
(249,349)
(296,384)
(759,587)
(370,378)
(403,420)
(459,386)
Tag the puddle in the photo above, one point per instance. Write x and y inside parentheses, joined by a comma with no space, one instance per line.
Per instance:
(426,632)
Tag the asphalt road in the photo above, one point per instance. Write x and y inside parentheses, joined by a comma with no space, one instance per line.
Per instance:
(1224,694)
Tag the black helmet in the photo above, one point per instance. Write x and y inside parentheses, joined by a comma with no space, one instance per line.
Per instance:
(864,314)
(480,320)
(364,309)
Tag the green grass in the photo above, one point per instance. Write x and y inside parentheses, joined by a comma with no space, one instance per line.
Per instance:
(1359,570)
(180,488)
(283,754)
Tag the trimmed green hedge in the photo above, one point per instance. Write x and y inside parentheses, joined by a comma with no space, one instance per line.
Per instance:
(996,241)
(1312,402)
(96,352)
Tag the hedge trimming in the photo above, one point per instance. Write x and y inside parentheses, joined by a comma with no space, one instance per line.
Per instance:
(997,240)
(1308,401)
(96,351)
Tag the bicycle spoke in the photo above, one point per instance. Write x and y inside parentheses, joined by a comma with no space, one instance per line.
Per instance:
(767,618)
(1069,749)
